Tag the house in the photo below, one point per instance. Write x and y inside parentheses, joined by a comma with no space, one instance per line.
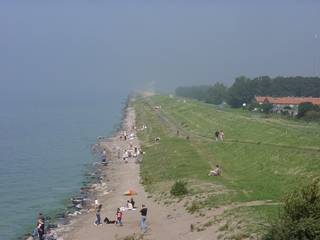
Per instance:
(286,104)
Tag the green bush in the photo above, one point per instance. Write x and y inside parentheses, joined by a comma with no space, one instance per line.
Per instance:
(179,188)
(300,216)
(312,116)
(306,107)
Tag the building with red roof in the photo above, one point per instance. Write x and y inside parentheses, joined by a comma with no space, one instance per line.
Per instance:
(286,104)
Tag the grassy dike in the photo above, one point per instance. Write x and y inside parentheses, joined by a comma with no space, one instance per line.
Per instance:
(261,158)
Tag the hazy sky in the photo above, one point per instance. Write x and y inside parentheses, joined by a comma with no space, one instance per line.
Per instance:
(60,48)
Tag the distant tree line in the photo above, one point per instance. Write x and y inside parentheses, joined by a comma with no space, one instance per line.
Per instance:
(244,89)
(215,94)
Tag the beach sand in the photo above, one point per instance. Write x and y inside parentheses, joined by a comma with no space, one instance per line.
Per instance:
(164,222)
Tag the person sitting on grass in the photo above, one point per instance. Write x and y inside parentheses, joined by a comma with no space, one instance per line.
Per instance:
(215,172)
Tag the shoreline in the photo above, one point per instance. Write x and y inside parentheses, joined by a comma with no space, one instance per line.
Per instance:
(164,221)
(92,186)
(114,146)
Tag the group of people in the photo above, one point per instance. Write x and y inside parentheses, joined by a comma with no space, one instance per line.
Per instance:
(125,136)
(219,135)
(133,151)
(119,215)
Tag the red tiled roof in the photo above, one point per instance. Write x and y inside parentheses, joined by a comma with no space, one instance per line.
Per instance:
(287,100)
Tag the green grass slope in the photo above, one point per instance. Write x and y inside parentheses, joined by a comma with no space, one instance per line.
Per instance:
(261,158)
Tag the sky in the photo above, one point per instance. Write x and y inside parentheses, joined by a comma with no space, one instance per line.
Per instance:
(58,49)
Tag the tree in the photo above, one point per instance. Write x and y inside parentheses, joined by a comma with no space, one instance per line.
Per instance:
(303,108)
(217,93)
(266,107)
(240,92)
(196,92)
(300,216)
(312,116)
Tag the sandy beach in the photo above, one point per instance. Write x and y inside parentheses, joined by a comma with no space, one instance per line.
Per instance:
(164,222)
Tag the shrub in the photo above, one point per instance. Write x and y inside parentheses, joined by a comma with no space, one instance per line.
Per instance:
(312,116)
(179,188)
(306,107)
(300,216)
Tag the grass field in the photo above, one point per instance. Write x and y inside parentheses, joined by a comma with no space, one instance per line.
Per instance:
(262,158)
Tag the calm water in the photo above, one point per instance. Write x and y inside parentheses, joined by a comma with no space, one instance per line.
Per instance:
(44,149)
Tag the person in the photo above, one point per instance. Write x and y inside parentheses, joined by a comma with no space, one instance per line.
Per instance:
(40,228)
(215,172)
(104,155)
(98,212)
(132,202)
(129,205)
(143,225)
(36,230)
(221,135)
(125,135)
(107,221)
(217,135)
(119,217)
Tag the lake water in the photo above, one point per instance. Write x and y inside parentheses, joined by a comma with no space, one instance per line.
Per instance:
(44,150)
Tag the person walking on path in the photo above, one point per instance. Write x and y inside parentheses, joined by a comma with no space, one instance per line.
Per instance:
(119,217)
(143,225)
(98,215)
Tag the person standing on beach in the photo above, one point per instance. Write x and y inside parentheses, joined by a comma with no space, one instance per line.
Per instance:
(132,202)
(104,155)
(143,225)
(98,212)
(125,135)
(119,217)
(40,228)
(39,223)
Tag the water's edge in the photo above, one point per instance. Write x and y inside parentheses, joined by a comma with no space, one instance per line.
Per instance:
(80,202)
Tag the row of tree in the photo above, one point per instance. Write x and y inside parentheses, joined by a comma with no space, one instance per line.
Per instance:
(244,89)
